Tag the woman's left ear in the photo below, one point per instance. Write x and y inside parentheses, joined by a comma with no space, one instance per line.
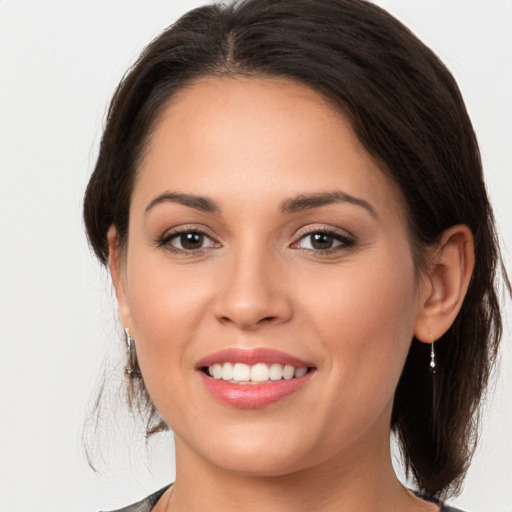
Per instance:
(445,284)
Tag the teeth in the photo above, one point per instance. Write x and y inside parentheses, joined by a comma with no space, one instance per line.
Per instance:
(289,372)
(260,372)
(227,371)
(275,371)
(300,372)
(241,372)
(216,371)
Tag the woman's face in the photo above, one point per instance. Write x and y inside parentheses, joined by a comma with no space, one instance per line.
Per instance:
(263,235)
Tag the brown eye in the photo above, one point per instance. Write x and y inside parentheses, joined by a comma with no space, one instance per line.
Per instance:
(321,241)
(190,241)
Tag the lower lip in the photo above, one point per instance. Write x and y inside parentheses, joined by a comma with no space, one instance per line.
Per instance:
(252,396)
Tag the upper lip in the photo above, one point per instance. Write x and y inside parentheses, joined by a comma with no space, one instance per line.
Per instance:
(252,356)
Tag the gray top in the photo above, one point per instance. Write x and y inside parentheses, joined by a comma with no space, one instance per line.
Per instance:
(147,504)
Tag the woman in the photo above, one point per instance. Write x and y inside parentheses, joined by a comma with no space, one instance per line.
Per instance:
(290,200)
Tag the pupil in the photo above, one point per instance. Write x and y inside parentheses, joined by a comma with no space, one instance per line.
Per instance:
(192,240)
(321,241)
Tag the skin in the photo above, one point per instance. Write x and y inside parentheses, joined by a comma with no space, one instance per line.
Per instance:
(249,145)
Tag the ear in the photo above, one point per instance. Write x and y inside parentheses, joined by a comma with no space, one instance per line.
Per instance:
(445,284)
(115,264)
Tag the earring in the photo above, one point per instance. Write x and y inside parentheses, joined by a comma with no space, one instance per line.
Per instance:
(432,355)
(132,370)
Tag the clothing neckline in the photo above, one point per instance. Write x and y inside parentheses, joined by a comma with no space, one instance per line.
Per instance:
(147,504)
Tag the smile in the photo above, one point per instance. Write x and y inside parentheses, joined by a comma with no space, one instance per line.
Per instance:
(253,378)
(241,373)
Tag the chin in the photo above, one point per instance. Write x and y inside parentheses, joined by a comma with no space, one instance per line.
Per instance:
(270,463)
(264,453)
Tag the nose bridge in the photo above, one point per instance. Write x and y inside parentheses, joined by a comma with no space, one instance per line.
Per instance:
(251,294)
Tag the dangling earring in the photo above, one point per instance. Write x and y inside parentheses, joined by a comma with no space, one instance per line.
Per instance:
(132,370)
(432,355)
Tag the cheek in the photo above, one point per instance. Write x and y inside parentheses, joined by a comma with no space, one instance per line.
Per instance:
(362,321)
(366,318)
(166,309)
(165,306)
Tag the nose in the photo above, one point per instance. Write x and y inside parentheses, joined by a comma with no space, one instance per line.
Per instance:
(253,292)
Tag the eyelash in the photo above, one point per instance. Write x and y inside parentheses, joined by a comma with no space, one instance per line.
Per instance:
(346,241)
(165,241)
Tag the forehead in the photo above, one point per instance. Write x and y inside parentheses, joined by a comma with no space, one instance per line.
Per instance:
(244,139)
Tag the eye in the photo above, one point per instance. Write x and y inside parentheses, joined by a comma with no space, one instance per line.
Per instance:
(187,241)
(318,241)
(323,241)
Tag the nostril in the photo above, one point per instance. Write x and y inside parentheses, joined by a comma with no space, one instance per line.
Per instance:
(248,323)
(251,312)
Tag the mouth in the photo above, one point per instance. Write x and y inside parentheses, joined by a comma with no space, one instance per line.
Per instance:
(252,378)
(259,373)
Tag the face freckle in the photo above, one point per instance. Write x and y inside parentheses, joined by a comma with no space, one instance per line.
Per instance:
(259,221)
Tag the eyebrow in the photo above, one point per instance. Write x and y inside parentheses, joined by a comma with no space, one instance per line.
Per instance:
(308,201)
(202,204)
(296,204)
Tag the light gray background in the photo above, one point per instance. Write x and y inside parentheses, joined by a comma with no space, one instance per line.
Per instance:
(59,64)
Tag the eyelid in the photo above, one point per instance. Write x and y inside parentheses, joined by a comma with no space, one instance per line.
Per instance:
(168,235)
(324,228)
(345,237)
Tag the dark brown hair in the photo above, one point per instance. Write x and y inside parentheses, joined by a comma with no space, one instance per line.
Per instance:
(407,111)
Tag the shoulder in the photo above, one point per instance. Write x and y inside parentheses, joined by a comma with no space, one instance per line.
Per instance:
(433,499)
(145,505)
(446,508)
